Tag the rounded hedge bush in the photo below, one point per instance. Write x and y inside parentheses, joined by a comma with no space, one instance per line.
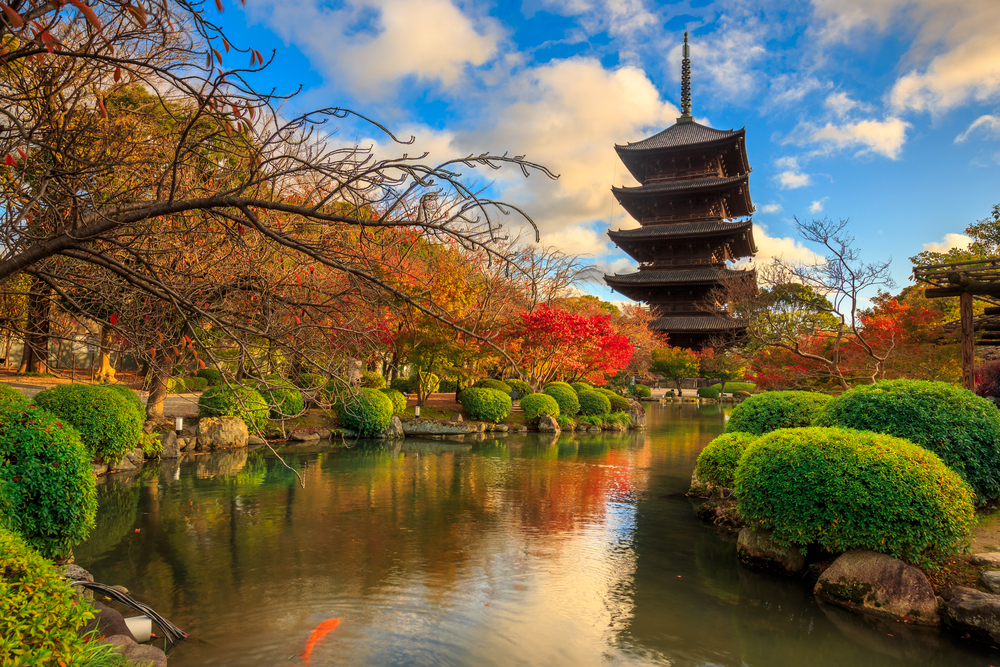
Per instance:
(41,620)
(213,375)
(710,392)
(283,398)
(236,401)
(559,384)
(717,462)
(372,380)
(594,403)
(772,410)
(960,427)
(401,385)
(618,403)
(641,391)
(733,387)
(107,422)
(47,489)
(131,398)
(536,406)
(520,386)
(845,489)
(488,405)
(11,396)
(569,402)
(490,383)
(368,412)
(398,400)
(580,386)
(448,386)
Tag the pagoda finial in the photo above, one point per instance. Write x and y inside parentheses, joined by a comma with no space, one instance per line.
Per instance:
(686,84)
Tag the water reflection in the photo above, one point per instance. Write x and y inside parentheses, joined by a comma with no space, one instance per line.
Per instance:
(575,549)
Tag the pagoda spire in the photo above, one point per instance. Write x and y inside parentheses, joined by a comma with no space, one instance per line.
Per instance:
(686,116)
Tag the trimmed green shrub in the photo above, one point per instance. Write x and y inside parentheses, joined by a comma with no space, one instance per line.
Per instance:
(47,489)
(710,392)
(236,401)
(398,401)
(372,380)
(520,386)
(618,403)
(641,391)
(763,413)
(184,385)
(580,386)
(536,406)
(131,398)
(283,398)
(488,405)
(11,396)
(368,412)
(717,462)
(311,382)
(559,384)
(401,385)
(742,394)
(569,403)
(490,383)
(107,423)
(448,386)
(845,489)
(960,427)
(733,387)
(594,403)
(41,620)
(213,375)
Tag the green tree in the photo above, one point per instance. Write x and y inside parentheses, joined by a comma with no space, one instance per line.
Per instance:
(675,364)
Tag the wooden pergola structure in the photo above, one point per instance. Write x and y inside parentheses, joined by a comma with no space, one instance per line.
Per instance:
(974,279)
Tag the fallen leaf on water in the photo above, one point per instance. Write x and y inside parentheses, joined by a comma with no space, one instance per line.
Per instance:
(321,631)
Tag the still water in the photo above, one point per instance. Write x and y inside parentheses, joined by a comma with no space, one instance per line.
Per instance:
(525,550)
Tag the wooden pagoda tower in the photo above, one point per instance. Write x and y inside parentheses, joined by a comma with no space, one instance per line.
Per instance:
(693,208)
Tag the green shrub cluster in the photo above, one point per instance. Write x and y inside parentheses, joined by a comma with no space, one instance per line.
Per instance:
(569,403)
(536,406)
(618,418)
(742,394)
(235,401)
(845,489)
(960,427)
(47,489)
(107,422)
(580,387)
(710,392)
(593,420)
(733,387)
(558,384)
(213,375)
(368,412)
(132,398)
(398,400)
(447,386)
(41,620)
(489,383)
(311,383)
(486,404)
(185,385)
(594,403)
(717,462)
(565,421)
(618,403)
(372,380)
(283,398)
(641,391)
(520,386)
(401,385)
(763,413)
(11,396)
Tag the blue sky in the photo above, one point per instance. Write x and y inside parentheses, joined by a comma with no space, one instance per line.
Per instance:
(886,112)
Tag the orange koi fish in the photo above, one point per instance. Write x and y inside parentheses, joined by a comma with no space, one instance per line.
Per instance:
(321,631)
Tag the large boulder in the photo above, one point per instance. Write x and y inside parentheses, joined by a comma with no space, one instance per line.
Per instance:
(395,430)
(222,433)
(171,448)
(548,424)
(872,583)
(973,612)
(137,655)
(416,426)
(107,621)
(989,559)
(757,551)
(637,414)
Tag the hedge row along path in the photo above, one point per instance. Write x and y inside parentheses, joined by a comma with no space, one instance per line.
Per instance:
(174,405)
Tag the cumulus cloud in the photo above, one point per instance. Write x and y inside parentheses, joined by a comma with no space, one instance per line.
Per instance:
(727,58)
(817,205)
(882,137)
(770,248)
(791,176)
(948,242)
(770,208)
(988,124)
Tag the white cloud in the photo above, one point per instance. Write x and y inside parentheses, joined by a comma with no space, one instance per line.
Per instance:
(787,90)
(770,248)
(948,242)
(884,137)
(726,57)
(989,124)
(770,208)
(370,44)
(840,103)
(817,205)
(792,175)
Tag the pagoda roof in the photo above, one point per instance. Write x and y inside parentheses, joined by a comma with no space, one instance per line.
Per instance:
(739,206)
(684,229)
(647,243)
(682,135)
(696,323)
(711,274)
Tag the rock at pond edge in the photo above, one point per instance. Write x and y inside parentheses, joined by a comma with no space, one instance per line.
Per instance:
(548,424)
(222,432)
(974,612)
(757,551)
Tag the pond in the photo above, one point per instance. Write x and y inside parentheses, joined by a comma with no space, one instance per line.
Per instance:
(525,550)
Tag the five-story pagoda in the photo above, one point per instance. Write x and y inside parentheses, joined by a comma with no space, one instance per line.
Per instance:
(695,182)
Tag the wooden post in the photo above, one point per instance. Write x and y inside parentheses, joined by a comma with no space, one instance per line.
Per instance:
(968,346)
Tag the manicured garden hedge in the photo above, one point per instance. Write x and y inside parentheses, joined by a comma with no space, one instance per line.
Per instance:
(447,386)
(733,387)
(372,380)
(107,422)
(11,396)
(283,398)
(845,489)
(536,406)
(717,462)
(47,489)
(398,400)
(486,404)
(960,427)
(41,620)
(401,385)
(489,383)
(213,375)
(618,403)
(763,413)
(579,387)
(368,412)
(594,403)
(520,386)
(236,401)
(569,403)
(641,391)
(559,384)
(710,392)
(131,398)
(184,385)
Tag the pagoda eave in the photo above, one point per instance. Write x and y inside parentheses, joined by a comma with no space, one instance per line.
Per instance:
(705,324)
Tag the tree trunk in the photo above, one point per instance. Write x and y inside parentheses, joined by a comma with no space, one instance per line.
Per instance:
(157,388)
(105,371)
(680,392)
(35,357)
